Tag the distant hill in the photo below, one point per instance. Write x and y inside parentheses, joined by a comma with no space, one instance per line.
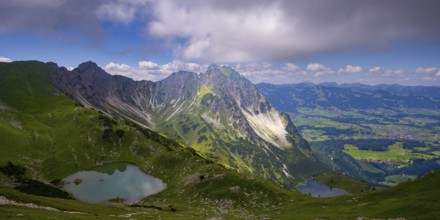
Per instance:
(371,132)
(291,97)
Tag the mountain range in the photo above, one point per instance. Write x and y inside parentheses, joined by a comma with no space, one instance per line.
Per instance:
(218,113)
(52,124)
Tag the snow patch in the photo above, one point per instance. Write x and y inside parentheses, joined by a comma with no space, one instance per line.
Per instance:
(269,126)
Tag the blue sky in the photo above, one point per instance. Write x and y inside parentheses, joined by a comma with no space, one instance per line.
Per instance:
(343,41)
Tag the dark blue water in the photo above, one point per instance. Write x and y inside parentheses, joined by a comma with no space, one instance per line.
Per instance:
(316,189)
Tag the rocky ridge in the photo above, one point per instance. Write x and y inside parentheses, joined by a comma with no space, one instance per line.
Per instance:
(219,113)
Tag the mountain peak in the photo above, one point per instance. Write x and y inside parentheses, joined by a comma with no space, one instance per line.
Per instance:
(227,71)
(88,65)
(219,113)
(182,75)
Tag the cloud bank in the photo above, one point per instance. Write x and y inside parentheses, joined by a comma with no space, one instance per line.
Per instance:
(245,31)
(237,31)
(148,70)
(259,72)
(5,59)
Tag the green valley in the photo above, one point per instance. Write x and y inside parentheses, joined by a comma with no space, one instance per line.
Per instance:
(372,133)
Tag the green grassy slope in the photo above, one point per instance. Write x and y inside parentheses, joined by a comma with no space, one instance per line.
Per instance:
(419,199)
(53,137)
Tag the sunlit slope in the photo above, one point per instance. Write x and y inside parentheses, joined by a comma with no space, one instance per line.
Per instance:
(219,113)
(52,136)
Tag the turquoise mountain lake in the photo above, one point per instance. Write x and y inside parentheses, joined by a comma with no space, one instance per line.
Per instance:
(316,189)
(112,181)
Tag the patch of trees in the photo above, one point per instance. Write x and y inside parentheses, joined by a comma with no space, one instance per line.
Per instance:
(194,126)
(31,186)
(12,170)
(201,139)
(108,128)
(207,99)
(107,133)
(147,206)
(106,121)
(120,134)
(203,130)
(38,188)
(185,128)
(410,144)
(77,104)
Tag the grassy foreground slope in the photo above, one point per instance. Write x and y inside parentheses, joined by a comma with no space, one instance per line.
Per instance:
(53,137)
(419,199)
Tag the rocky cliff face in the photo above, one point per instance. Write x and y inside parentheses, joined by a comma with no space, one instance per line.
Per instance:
(219,113)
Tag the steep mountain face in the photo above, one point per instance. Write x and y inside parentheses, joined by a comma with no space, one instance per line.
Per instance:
(219,113)
(46,136)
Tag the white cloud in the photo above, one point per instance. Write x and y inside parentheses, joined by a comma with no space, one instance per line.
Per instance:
(5,59)
(217,34)
(259,72)
(387,72)
(131,72)
(120,11)
(291,67)
(148,65)
(265,72)
(148,70)
(233,31)
(116,67)
(254,31)
(350,69)
(375,69)
(319,69)
(177,65)
(315,67)
(399,72)
(426,70)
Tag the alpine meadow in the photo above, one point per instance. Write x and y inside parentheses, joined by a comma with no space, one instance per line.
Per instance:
(148,109)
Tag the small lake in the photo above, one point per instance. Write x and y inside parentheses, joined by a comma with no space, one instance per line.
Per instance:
(316,189)
(118,180)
